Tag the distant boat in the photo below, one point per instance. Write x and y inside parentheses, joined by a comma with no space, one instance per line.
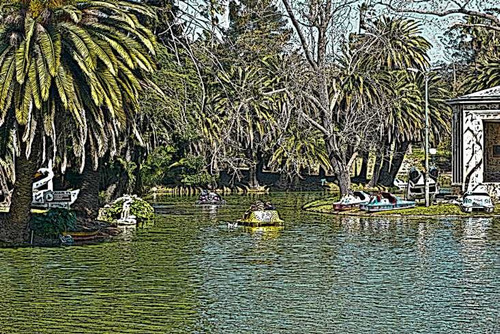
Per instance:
(211,202)
(261,218)
(385,202)
(210,198)
(349,202)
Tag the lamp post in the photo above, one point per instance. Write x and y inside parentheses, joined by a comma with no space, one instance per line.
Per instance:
(426,143)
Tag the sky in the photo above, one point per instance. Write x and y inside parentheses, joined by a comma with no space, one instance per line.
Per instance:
(433,28)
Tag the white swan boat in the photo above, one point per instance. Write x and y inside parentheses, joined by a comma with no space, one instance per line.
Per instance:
(351,201)
(44,195)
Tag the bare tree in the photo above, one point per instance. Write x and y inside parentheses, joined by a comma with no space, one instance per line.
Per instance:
(486,10)
(335,90)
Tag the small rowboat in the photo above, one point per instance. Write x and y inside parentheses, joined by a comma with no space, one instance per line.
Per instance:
(261,218)
(82,235)
(385,202)
(351,201)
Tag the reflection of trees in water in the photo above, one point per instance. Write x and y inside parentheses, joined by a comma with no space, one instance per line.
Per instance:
(476,257)
(377,226)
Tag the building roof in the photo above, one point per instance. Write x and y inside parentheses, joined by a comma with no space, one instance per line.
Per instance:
(490,95)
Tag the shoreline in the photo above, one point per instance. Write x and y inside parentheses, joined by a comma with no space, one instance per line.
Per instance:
(441,210)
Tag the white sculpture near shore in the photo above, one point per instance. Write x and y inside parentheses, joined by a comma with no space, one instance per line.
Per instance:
(126,218)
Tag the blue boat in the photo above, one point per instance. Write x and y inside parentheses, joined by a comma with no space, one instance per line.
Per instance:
(385,201)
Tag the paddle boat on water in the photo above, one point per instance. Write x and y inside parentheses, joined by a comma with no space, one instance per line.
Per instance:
(351,201)
(261,218)
(210,198)
(385,201)
(261,214)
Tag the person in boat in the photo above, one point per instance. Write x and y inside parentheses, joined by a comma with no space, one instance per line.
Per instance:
(257,206)
(269,206)
(203,196)
(212,196)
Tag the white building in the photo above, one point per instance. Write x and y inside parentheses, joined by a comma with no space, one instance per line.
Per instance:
(476,141)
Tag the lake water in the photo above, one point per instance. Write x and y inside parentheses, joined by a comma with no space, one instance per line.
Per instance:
(319,274)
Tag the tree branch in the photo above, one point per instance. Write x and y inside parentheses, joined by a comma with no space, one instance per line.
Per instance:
(448,12)
(302,38)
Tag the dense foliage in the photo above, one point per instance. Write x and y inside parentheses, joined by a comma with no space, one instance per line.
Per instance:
(142,210)
(53,222)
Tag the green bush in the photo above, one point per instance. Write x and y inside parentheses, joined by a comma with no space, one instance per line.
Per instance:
(139,208)
(53,222)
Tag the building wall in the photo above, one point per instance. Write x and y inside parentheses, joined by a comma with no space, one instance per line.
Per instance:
(472,148)
(491,152)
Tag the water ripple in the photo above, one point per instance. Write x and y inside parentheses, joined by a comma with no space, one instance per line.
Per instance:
(318,274)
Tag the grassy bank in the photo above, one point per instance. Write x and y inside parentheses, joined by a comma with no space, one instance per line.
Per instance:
(438,210)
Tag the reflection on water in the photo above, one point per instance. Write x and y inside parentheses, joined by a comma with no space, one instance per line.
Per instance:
(190,273)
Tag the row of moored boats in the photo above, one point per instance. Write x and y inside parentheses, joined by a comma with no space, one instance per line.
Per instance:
(381,201)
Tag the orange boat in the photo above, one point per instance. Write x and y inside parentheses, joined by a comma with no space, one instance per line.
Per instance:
(82,235)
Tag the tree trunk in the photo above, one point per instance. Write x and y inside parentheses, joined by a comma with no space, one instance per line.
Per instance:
(376,168)
(383,177)
(344,179)
(15,229)
(253,170)
(86,206)
(397,159)
(253,182)
(363,173)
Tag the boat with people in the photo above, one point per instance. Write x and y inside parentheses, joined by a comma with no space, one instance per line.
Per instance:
(351,201)
(261,214)
(385,201)
(210,198)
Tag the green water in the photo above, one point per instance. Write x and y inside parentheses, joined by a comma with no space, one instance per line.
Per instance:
(320,274)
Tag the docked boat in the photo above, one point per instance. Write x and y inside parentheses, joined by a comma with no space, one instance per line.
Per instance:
(477,200)
(385,201)
(85,235)
(44,195)
(416,184)
(261,218)
(351,201)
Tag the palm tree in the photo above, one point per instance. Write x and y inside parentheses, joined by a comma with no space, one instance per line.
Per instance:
(70,74)
(395,45)
(247,108)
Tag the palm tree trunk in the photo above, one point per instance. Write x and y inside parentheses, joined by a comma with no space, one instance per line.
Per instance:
(384,178)
(86,206)
(397,159)
(15,229)
(253,181)
(376,169)
(363,173)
